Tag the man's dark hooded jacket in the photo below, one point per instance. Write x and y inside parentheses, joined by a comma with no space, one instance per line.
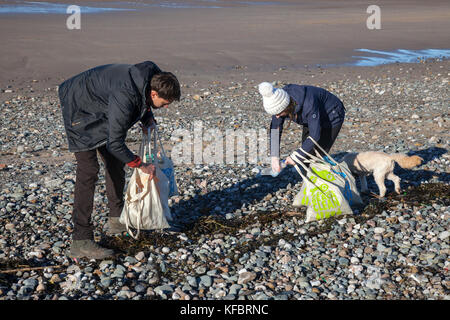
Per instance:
(100,105)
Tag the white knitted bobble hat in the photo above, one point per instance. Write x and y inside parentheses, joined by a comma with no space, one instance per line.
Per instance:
(274,100)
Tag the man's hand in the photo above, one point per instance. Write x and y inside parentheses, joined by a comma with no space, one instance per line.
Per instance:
(149,169)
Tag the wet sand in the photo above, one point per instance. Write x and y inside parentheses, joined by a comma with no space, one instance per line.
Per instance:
(233,43)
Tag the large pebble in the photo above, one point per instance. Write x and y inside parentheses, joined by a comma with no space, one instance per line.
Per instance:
(246,277)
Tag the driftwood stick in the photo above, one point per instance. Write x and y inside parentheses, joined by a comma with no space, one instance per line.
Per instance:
(29,269)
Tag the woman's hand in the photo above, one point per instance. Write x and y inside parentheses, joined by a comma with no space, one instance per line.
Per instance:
(290,161)
(276,164)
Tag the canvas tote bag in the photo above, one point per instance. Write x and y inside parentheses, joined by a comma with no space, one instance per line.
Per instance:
(327,165)
(146,201)
(326,188)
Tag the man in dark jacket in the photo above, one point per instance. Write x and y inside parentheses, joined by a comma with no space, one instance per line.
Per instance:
(99,106)
(319,112)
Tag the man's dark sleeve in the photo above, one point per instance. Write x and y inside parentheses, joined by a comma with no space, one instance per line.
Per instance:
(276,129)
(120,119)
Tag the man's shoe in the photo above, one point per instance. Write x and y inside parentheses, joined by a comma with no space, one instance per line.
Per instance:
(115,227)
(88,249)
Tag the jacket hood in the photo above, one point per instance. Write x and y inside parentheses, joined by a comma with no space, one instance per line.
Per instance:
(141,74)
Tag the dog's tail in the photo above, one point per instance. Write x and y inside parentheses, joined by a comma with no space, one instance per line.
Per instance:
(405,161)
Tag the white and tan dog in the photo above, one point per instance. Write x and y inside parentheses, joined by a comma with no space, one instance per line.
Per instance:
(381,165)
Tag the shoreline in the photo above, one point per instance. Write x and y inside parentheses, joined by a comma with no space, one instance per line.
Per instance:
(190,80)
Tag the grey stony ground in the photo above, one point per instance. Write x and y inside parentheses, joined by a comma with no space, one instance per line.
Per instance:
(236,235)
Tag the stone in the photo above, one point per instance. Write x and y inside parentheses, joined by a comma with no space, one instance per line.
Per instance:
(343,261)
(9,226)
(165,250)
(200,270)
(234,289)
(41,287)
(315,283)
(140,256)
(55,279)
(139,288)
(378,230)
(164,289)
(192,281)
(245,277)
(206,281)
(444,235)
(106,282)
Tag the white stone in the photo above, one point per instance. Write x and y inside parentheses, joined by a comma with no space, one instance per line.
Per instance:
(140,256)
(356,269)
(165,250)
(433,140)
(378,230)
(351,288)
(444,235)
(242,271)
(354,260)
(315,283)
(256,170)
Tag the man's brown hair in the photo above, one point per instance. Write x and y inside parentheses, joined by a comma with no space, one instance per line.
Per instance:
(167,86)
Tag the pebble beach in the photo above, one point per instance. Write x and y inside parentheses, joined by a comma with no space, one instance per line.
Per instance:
(235,234)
